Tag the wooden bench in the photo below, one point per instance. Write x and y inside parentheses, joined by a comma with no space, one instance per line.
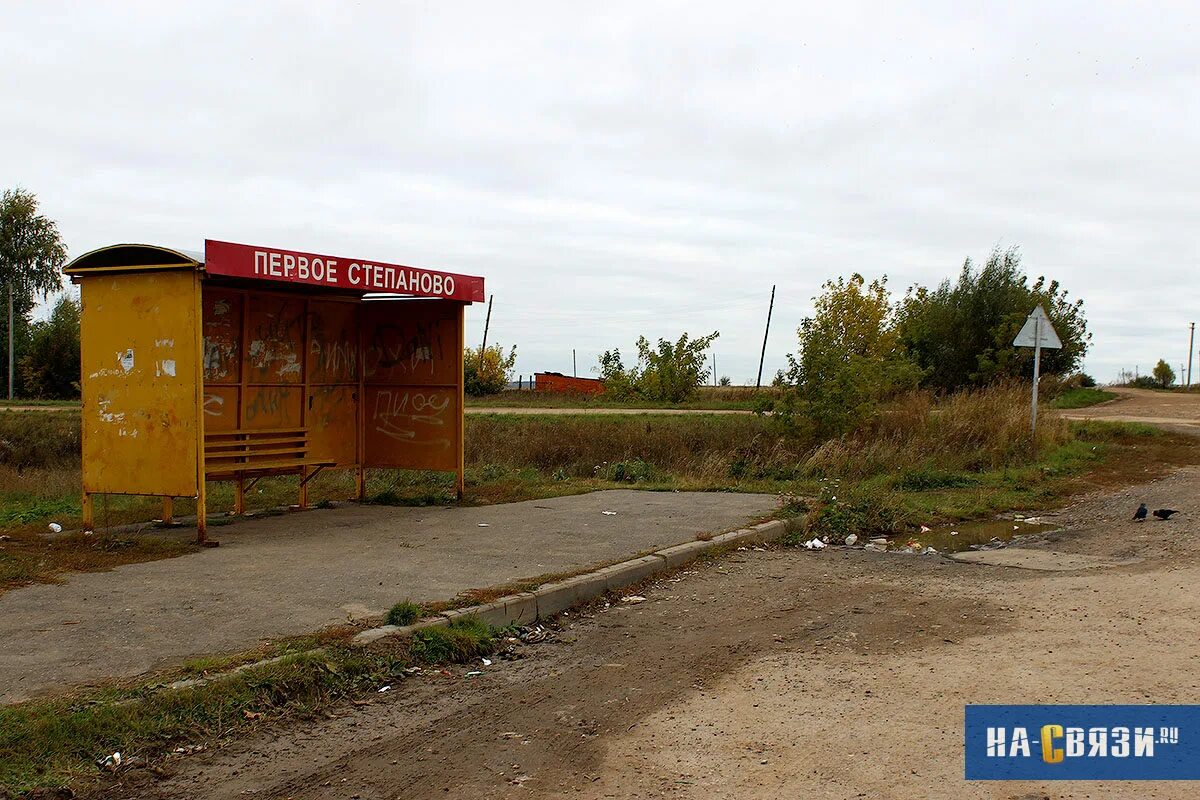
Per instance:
(255,453)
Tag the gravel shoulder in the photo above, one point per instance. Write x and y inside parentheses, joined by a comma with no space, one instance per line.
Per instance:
(771,674)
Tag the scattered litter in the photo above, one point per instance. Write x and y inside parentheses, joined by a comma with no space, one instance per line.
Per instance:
(929,551)
(925,529)
(55,527)
(385,689)
(851,539)
(248,714)
(534,635)
(4,537)
(1016,527)
(912,543)
(186,750)
(473,673)
(484,525)
(876,548)
(814,544)
(609,513)
(633,599)
(511,735)
(110,762)
(954,533)
(411,670)
(487,662)
(758,549)
(880,540)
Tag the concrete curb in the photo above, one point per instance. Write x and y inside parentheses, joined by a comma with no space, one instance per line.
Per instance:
(553,598)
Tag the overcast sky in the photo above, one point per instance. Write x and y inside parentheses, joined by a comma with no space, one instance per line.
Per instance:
(645,169)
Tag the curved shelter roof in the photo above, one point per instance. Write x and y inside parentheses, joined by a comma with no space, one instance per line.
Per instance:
(133,256)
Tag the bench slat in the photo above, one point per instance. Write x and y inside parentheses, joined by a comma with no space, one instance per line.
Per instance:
(254,432)
(221,446)
(286,451)
(267,466)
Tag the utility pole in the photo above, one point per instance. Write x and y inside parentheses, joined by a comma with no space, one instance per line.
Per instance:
(1191,341)
(486,324)
(574,365)
(763,357)
(714,355)
(11,328)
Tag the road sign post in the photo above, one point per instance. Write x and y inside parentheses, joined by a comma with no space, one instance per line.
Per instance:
(1037,332)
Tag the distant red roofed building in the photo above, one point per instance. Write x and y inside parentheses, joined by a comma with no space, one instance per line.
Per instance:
(565,384)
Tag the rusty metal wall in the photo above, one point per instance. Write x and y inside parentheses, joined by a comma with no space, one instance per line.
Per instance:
(412,366)
(140,368)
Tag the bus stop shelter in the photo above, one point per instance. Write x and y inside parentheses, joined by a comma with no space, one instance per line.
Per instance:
(244,361)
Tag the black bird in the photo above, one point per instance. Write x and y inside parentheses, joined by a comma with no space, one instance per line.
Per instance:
(1140,514)
(1164,513)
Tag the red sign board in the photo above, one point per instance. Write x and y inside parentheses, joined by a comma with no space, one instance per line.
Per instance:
(293,266)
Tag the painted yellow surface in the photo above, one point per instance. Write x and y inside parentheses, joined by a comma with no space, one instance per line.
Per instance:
(140,367)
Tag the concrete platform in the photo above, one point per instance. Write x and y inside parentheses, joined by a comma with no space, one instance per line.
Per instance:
(295,573)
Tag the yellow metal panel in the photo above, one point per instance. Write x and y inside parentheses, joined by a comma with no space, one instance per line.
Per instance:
(140,359)
(274,350)
(272,407)
(332,417)
(412,406)
(412,427)
(333,342)
(222,335)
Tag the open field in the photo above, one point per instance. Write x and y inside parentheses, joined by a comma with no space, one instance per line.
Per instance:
(710,398)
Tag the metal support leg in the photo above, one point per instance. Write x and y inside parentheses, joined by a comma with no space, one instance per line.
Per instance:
(168,512)
(89,519)
(304,476)
(239,496)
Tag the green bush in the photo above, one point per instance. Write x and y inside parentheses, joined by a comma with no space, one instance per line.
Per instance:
(669,373)
(487,371)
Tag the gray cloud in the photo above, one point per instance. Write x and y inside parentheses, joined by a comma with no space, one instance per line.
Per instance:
(639,168)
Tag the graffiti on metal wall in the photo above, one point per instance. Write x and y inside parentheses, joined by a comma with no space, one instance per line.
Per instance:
(401,413)
(410,349)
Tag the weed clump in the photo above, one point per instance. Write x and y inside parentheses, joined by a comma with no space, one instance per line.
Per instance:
(406,612)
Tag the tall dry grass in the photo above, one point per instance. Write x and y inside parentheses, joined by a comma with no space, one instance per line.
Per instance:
(968,431)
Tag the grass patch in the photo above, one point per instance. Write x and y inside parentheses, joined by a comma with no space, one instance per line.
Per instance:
(56,742)
(464,639)
(1082,398)
(406,612)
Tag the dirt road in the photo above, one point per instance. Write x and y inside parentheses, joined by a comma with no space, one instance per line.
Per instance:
(774,674)
(1144,405)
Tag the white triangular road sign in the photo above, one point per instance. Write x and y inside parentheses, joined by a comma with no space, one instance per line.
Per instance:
(1036,327)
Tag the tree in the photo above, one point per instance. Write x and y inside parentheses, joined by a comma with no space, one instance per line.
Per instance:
(850,356)
(669,372)
(32,255)
(487,371)
(961,333)
(50,367)
(1164,376)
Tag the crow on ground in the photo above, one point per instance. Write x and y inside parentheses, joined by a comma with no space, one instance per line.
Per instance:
(1164,513)
(1140,514)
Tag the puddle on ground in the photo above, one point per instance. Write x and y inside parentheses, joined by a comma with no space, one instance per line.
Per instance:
(965,535)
